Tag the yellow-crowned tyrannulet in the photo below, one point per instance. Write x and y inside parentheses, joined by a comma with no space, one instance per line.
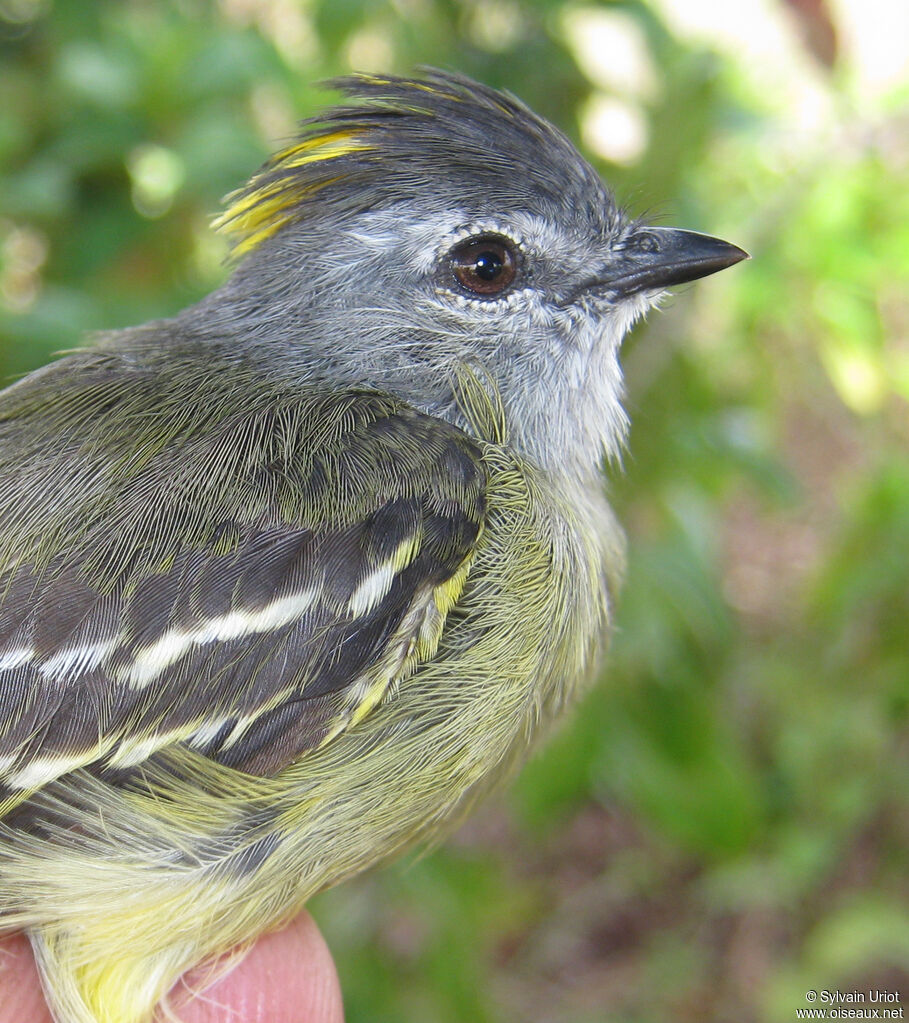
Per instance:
(288,580)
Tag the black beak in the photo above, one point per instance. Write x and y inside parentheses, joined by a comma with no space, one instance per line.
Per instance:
(657,257)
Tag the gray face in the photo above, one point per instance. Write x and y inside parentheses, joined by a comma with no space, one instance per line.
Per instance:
(468,231)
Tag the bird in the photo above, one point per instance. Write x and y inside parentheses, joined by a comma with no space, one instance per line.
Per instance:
(291,579)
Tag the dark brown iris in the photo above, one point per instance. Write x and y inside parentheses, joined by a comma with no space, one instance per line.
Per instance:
(486,265)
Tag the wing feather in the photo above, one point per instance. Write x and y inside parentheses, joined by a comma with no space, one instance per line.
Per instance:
(249,588)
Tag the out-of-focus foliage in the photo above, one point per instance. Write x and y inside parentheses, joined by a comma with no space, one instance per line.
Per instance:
(724,825)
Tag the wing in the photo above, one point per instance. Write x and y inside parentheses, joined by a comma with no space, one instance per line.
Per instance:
(248,588)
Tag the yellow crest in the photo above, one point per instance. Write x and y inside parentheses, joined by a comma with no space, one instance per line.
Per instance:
(393,126)
(268,201)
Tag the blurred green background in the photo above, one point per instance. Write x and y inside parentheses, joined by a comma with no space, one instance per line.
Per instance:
(725,824)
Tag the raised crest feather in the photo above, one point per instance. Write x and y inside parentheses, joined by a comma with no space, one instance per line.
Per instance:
(272,196)
(364,152)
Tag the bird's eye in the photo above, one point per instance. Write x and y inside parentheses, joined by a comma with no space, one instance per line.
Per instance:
(484,265)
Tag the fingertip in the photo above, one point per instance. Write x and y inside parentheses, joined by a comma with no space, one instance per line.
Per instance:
(288,976)
(21,997)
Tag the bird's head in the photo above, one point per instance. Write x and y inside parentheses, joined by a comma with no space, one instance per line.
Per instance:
(436,222)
